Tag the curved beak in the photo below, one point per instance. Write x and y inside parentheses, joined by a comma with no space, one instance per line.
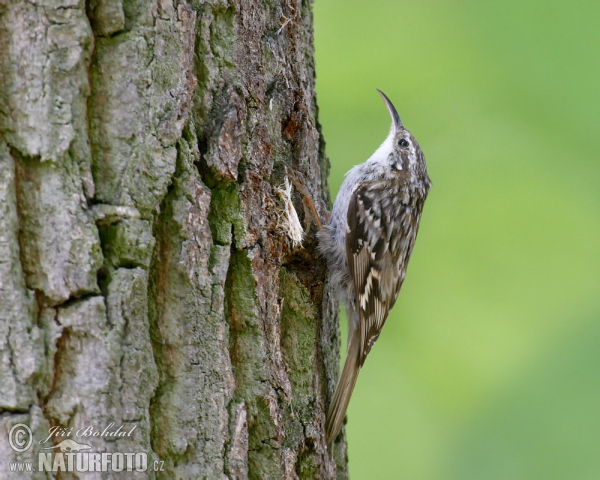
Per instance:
(392,110)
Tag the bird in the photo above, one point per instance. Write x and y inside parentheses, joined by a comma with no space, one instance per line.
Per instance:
(367,241)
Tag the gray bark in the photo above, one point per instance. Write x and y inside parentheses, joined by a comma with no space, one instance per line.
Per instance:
(145,277)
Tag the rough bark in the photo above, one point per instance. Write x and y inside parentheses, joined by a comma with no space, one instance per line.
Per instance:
(145,277)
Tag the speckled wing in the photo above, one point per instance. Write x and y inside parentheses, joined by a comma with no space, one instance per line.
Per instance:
(379,241)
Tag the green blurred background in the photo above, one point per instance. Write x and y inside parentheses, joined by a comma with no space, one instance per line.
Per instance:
(489,365)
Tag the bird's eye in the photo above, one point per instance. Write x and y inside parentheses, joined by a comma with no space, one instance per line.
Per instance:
(403,143)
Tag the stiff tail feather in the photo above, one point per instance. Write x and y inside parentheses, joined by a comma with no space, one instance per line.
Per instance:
(342,394)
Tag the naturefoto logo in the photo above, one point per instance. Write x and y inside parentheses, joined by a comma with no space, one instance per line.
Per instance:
(69,455)
(69,445)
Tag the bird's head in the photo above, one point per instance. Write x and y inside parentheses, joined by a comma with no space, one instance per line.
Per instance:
(404,155)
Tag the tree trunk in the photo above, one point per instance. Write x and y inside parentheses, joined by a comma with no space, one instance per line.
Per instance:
(146,275)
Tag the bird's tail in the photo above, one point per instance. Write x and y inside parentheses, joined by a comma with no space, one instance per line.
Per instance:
(342,394)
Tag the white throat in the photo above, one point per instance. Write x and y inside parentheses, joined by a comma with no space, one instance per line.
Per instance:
(382,153)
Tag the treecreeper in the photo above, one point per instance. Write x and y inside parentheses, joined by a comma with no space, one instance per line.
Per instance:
(367,241)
